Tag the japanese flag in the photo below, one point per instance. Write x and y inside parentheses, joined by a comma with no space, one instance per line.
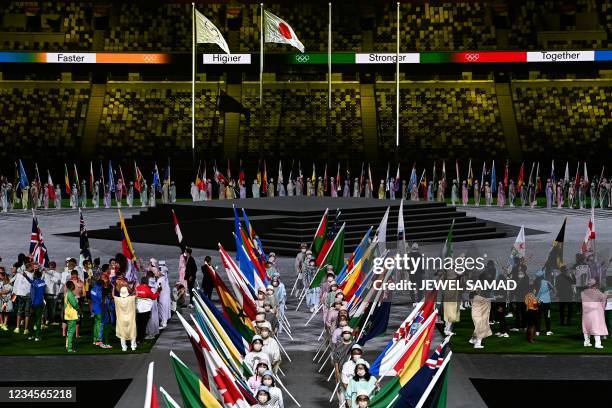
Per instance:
(276,30)
(207,32)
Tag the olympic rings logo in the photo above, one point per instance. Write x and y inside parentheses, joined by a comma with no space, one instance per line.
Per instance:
(472,57)
(302,58)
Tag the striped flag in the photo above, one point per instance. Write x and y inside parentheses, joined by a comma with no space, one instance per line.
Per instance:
(177,230)
(168,400)
(38,250)
(193,391)
(126,244)
(150,394)
(66,180)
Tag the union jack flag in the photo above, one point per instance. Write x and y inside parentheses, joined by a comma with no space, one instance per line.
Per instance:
(38,250)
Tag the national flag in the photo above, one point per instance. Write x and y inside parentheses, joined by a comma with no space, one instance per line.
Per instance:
(371,181)
(244,293)
(361,178)
(320,234)
(443,176)
(124,189)
(257,245)
(577,180)
(566,176)
(427,388)
(329,237)
(434,178)
(220,322)
(457,169)
(521,177)
(493,179)
(361,265)
(50,186)
(396,182)
(555,255)
(381,231)
(470,176)
(242,174)
(447,249)
(413,358)
(23,177)
(126,245)
(538,181)
(66,180)
(334,256)
(150,393)
(518,249)
(91,177)
(76,179)
(325,179)
(412,183)
(339,179)
(168,400)
(588,244)
(422,316)
(111,177)
(259,173)
(482,175)
(83,240)
(276,30)
(193,391)
(377,323)
(387,176)
(264,181)
(401,232)
(196,345)
(552,171)
(156,185)
(39,184)
(229,169)
(232,310)
(586,174)
(138,182)
(177,230)
(280,172)
(207,32)
(38,249)
(506,174)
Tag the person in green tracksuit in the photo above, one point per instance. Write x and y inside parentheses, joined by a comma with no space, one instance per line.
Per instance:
(71,307)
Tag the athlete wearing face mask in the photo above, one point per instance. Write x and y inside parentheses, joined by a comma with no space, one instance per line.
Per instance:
(255,380)
(257,354)
(363,399)
(348,368)
(276,395)
(270,346)
(299,259)
(362,381)
(308,274)
(263,398)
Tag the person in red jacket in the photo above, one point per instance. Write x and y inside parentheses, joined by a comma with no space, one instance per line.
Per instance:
(144,302)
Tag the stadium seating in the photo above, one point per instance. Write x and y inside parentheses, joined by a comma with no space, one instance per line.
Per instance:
(39,118)
(570,119)
(441,120)
(424,26)
(447,26)
(153,120)
(296,119)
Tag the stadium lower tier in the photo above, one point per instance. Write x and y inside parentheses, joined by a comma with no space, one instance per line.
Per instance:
(538,119)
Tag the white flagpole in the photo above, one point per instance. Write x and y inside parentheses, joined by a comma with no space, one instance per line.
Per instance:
(193,75)
(397,88)
(329,56)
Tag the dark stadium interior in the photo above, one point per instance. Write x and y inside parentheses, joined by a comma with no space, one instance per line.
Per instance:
(481,111)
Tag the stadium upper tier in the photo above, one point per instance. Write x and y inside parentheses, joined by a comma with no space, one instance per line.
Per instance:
(531,119)
(356,25)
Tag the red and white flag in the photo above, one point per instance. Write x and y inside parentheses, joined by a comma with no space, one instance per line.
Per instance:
(50,186)
(177,229)
(150,395)
(276,30)
(589,238)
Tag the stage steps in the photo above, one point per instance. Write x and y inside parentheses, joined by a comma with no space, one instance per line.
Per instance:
(282,228)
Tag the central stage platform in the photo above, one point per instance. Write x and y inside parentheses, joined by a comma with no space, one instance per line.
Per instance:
(282,223)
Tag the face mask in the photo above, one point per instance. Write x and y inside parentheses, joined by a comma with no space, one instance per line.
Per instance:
(361,372)
(346,337)
(329,280)
(257,347)
(362,404)
(265,334)
(303,250)
(356,357)
(262,398)
(267,382)
(261,370)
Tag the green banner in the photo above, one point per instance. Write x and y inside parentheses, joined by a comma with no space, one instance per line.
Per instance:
(320,58)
